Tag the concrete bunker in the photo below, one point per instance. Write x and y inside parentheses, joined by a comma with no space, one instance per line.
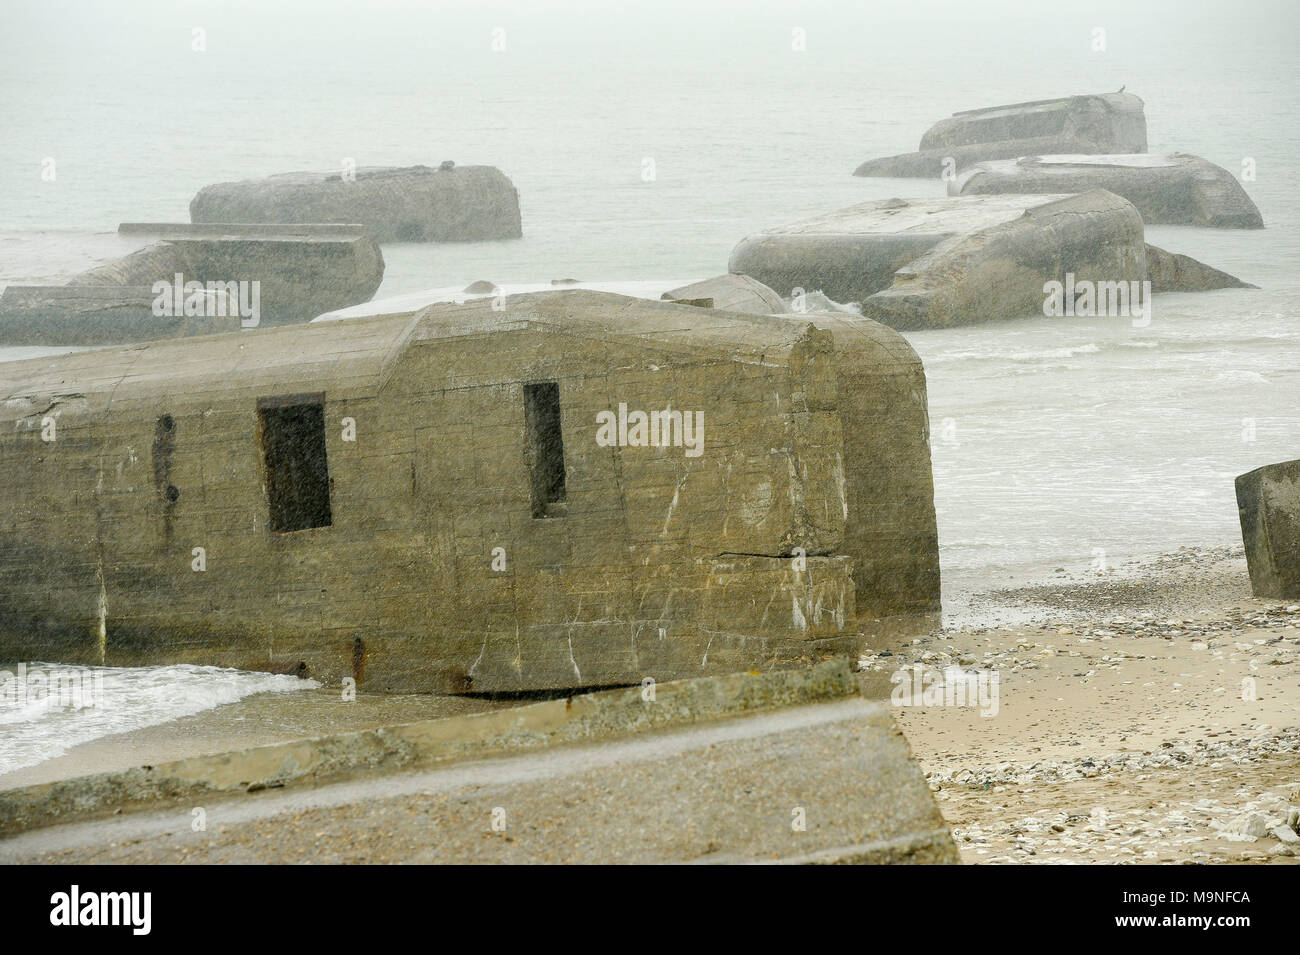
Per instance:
(1104,123)
(1268,505)
(440,488)
(1178,188)
(192,280)
(449,203)
(730,293)
(961,260)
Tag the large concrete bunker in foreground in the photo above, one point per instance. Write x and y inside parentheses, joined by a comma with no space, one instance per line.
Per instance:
(472,499)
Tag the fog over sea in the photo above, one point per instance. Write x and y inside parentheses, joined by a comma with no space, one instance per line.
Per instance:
(1052,437)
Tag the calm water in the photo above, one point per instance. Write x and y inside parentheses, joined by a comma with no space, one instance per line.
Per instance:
(1052,437)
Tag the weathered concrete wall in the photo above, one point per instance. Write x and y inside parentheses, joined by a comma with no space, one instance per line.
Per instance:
(890,532)
(398,204)
(729,293)
(1268,501)
(101,315)
(1178,189)
(1106,123)
(662,564)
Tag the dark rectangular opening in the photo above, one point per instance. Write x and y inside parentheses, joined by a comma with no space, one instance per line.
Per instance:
(293,450)
(545,447)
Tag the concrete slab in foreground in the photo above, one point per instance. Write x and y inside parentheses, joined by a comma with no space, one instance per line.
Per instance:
(1176,189)
(788,767)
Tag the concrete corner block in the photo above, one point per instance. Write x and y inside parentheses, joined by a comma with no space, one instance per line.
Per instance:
(1268,503)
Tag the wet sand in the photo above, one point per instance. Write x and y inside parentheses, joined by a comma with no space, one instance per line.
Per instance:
(1124,731)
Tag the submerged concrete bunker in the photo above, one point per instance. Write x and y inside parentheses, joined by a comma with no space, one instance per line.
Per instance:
(196,280)
(398,204)
(1177,188)
(925,263)
(422,503)
(962,260)
(1104,123)
(730,293)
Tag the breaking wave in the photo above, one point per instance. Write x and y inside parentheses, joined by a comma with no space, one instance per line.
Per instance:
(94,702)
(1022,355)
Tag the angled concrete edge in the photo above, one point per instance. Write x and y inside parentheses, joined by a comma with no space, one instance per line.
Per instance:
(245,230)
(932,847)
(588,716)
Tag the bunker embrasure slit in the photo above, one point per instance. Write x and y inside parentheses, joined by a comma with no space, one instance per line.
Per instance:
(545,448)
(292,432)
(164,443)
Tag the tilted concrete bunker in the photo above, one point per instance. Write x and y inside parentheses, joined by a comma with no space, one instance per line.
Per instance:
(1268,503)
(1177,188)
(472,499)
(198,280)
(927,263)
(1103,123)
(398,204)
(960,260)
(730,293)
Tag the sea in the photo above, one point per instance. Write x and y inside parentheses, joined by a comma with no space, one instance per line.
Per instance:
(647,138)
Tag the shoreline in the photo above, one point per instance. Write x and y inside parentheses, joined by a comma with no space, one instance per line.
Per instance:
(1149,716)
(1121,734)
